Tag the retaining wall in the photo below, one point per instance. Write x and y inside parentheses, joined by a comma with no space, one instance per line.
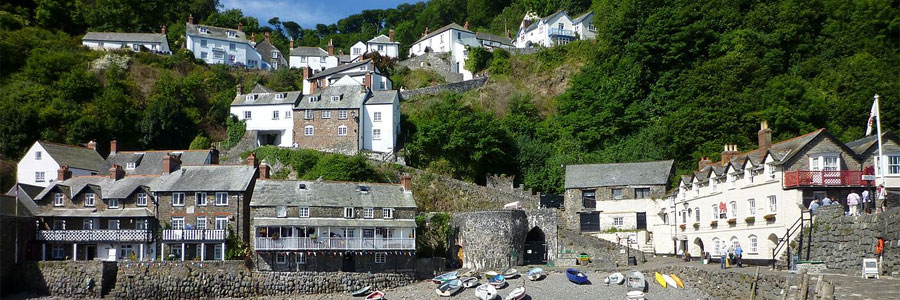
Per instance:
(727,285)
(456,87)
(78,279)
(490,240)
(842,242)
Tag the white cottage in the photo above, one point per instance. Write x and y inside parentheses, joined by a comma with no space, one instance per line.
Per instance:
(555,29)
(456,40)
(363,73)
(216,45)
(384,45)
(42,161)
(267,112)
(153,42)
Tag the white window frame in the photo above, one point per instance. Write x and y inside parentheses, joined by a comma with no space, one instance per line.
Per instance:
(754,245)
(200,198)
(733,207)
(326,114)
(387,213)
(221,199)
(303,59)
(276,115)
(308,114)
(217,252)
(376,116)
(288,114)
(248,115)
(376,134)
(335,98)
(113,224)
(178,223)
(893,164)
(130,165)
(301,259)
(221,223)
(113,203)
(751,207)
(342,114)
(90,199)
(773,204)
(697,213)
(40,176)
(201,223)
(717,251)
(58,199)
(37,155)
(87,224)
(141,224)
(618,221)
(309,130)
(141,199)
(612,193)
(380,257)
(715,212)
(349,212)
(280,211)
(342,130)
(274,54)
(178,199)
(59,225)
(280,258)
(368,213)
(303,212)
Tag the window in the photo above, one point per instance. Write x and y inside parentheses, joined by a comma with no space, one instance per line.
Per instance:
(831,163)
(178,223)
(303,212)
(281,258)
(287,114)
(618,221)
(58,251)
(113,203)
(275,115)
(136,47)
(248,115)
(58,199)
(274,54)
(376,116)
(715,211)
(368,213)
(301,258)
(232,47)
(617,194)
(231,58)
(380,257)
(89,199)
(221,199)
(59,224)
(381,85)
(309,130)
(177,199)
(251,63)
(380,47)
(733,209)
(376,134)
(279,96)
(335,98)
(734,243)
(218,55)
(202,42)
(697,213)
(348,212)
(39,176)
(113,224)
(718,247)
(326,114)
(201,223)
(204,55)
(342,114)
(751,207)
(217,252)
(37,155)
(141,224)
(773,204)
(281,211)
(342,130)
(754,245)
(130,165)
(356,51)
(221,223)
(642,193)
(308,114)
(387,213)
(88,224)
(893,164)
(303,59)
(589,199)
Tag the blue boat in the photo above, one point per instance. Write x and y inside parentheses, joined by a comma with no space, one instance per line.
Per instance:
(576,276)
(497,281)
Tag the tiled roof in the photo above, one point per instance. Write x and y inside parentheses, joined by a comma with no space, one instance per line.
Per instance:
(308,51)
(150,162)
(493,37)
(597,175)
(338,69)
(382,39)
(267,98)
(74,156)
(126,37)
(453,26)
(350,96)
(217,32)
(330,193)
(209,178)
(582,17)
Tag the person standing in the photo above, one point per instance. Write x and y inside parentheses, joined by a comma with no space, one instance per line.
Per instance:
(853,202)
(814,205)
(738,253)
(866,202)
(826,201)
(723,252)
(881,198)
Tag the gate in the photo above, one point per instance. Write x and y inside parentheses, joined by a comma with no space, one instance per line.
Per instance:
(535,247)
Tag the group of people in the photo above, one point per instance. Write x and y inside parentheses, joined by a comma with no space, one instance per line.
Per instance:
(856,204)
(731,256)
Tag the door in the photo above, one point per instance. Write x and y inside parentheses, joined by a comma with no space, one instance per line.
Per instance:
(590,222)
(641,220)
(349,264)
(535,247)
(90,252)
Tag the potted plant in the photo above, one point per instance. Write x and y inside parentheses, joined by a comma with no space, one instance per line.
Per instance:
(714,223)
(750,219)
(732,221)
(682,226)
(769,217)
(696,225)
(275,236)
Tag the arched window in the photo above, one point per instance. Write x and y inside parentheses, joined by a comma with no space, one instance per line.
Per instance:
(754,245)
(734,243)
(717,247)
(309,130)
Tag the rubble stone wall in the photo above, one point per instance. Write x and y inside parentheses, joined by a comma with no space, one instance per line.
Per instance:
(843,241)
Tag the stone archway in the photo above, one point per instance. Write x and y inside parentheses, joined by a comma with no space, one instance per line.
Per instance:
(772,242)
(535,247)
(698,248)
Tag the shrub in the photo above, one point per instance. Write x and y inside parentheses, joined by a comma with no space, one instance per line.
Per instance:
(235,131)
(200,142)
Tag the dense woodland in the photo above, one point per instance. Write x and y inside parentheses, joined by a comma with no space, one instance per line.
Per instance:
(665,79)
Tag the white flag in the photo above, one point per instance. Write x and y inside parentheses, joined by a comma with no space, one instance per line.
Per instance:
(872,116)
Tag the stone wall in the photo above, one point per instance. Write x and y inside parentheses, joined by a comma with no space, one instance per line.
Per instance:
(438,62)
(490,240)
(453,195)
(82,279)
(325,131)
(456,87)
(842,242)
(545,219)
(728,285)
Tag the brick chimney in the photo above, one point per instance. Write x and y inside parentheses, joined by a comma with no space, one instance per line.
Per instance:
(729,152)
(263,171)
(241,27)
(391,35)
(267,38)
(426,31)
(406,182)
(163,30)
(116,172)
(213,155)
(368,80)
(253,37)
(251,160)
(113,146)
(704,162)
(764,135)
(92,145)
(507,34)
(63,173)
(240,89)
(191,19)
(170,163)
(466,26)
(330,47)
(291,46)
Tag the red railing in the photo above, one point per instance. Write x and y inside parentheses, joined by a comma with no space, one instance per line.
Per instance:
(823,178)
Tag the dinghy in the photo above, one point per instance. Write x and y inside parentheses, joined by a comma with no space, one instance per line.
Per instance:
(448,288)
(659,279)
(490,274)
(511,273)
(444,277)
(469,282)
(576,276)
(678,281)
(376,295)
(634,295)
(670,281)
(486,292)
(498,281)
(361,292)
(615,278)
(516,294)
(535,274)
(636,282)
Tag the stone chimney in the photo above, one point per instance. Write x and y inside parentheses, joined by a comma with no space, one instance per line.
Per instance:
(291,46)
(391,35)
(170,163)
(406,182)
(116,172)
(267,37)
(704,162)
(92,145)
(251,160)
(241,27)
(63,173)
(764,135)
(330,47)
(264,171)
(368,80)
(213,155)
(113,146)
(507,34)
(466,26)
(163,30)
(240,89)
(253,37)
(729,152)
(191,19)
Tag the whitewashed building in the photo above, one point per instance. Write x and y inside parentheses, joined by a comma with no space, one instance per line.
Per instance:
(555,29)
(456,40)
(153,42)
(363,73)
(216,45)
(42,161)
(384,45)
(267,112)
(584,26)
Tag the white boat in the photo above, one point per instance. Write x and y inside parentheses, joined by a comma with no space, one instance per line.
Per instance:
(377,295)
(511,273)
(486,292)
(448,288)
(490,274)
(615,278)
(535,274)
(469,282)
(670,281)
(516,294)
(634,295)
(362,292)
(636,282)
(444,277)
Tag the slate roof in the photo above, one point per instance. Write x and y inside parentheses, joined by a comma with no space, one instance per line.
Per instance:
(150,162)
(74,156)
(383,97)
(544,19)
(493,37)
(26,195)
(308,51)
(333,222)
(598,175)
(452,25)
(261,89)
(338,69)
(382,39)
(90,212)
(126,37)
(267,98)
(103,186)
(209,178)
(217,33)
(582,17)
(352,96)
(330,193)
(862,145)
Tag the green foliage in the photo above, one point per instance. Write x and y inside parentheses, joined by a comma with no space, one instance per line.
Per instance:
(235,131)
(235,247)
(312,164)
(499,62)
(200,142)
(478,59)
(432,235)
(414,79)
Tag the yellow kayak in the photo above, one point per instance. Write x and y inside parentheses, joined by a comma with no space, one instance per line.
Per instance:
(660,279)
(677,281)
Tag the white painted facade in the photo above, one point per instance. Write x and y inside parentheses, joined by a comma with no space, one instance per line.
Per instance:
(215,50)
(314,62)
(130,45)
(355,75)
(556,29)
(122,251)
(442,42)
(383,45)
(358,49)
(273,119)
(584,27)
(385,119)
(39,168)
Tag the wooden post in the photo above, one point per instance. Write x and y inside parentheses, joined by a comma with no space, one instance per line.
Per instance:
(753,286)
(804,286)
(828,291)
(819,286)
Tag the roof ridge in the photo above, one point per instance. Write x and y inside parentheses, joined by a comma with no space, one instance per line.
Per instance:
(211,26)
(65,145)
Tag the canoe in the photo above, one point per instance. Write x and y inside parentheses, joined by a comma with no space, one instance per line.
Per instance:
(469,282)
(535,274)
(615,278)
(511,273)
(516,294)
(670,281)
(486,292)
(361,292)
(678,281)
(576,276)
(490,274)
(660,279)
(634,295)
(498,281)
(636,282)
(376,295)
(448,288)
(444,277)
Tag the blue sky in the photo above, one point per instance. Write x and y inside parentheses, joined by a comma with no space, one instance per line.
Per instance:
(307,13)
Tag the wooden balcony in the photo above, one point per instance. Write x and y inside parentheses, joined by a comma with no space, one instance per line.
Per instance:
(193,235)
(332,243)
(823,178)
(125,235)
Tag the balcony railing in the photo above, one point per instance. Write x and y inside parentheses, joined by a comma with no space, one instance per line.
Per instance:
(823,178)
(193,235)
(561,32)
(126,235)
(331,243)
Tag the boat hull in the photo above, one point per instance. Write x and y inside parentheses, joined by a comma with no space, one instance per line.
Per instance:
(576,276)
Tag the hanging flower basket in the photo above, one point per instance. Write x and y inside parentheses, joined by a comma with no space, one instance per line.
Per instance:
(732,221)
(696,225)
(750,219)
(682,226)
(714,223)
(769,217)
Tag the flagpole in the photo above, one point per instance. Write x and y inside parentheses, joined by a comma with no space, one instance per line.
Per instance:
(878,128)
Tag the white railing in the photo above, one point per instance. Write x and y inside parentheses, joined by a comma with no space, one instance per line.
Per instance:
(330,243)
(193,235)
(124,235)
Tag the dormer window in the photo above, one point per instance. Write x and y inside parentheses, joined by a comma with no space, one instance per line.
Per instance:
(130,165)
(279,96)
(302,186)
(313,98)
(232,34)
(203,30)
(364,189)
(250,97)
(335,98)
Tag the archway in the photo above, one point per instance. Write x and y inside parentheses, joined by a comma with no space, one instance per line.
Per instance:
(697,251)
(773,242)
(535,247)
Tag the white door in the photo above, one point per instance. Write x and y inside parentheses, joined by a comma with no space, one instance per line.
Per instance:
(111,254)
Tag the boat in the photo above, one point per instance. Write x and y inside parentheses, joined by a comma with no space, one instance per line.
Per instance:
(498,281)
(511,273)
(490,274)
(444,277)
(615,278)
(659,279)
(535,274)
(362,292)
(448,288)
(576,276)
(376,295)
(469,282)
(516,294)
(486,292)
(678,281)
(634,295)
(636,282)
(670,281)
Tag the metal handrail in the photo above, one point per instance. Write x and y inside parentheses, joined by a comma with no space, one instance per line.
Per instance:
(785,242)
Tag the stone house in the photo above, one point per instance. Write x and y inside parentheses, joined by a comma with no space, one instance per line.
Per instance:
(867,149)
(333,226)
(267,112)
(272,57)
